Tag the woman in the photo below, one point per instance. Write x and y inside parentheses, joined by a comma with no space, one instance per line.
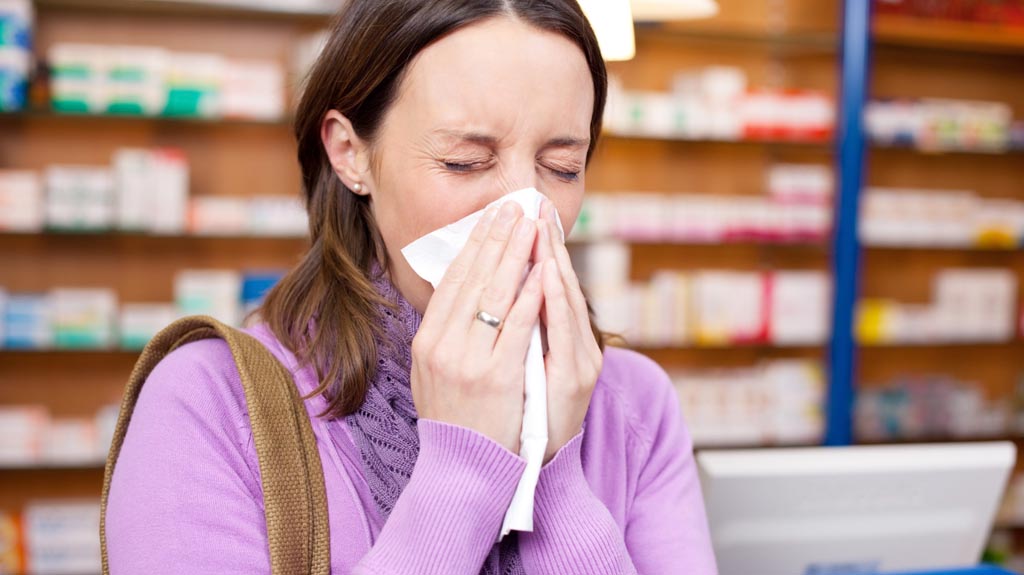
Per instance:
(418,113)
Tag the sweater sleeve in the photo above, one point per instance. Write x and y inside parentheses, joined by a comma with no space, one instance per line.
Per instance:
(184,497)
(449,515)
(574,534)
(666,528)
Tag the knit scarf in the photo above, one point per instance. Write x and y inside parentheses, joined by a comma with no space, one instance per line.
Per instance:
(384,427)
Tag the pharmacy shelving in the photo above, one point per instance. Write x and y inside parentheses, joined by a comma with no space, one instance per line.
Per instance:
(228,157)
(903,31)
(913,59)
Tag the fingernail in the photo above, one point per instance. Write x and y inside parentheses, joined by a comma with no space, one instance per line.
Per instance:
(523,229)
(488,216)
(507,213)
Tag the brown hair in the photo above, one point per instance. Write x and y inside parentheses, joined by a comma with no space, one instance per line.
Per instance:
(326,310)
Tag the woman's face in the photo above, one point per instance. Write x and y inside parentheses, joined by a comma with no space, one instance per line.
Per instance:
(493,108)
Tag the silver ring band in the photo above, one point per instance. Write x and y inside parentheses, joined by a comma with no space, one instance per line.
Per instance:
(489,319)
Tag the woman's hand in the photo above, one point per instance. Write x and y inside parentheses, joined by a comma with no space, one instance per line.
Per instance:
(464,371)
(574,358)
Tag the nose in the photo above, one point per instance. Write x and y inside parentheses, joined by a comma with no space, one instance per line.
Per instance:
(517,173)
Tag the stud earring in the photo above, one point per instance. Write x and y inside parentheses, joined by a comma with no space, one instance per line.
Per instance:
(357,187)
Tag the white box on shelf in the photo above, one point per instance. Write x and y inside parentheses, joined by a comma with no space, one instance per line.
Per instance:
(21,434)
(106,423)
(983,299)
(60,537)
(798,388)
(219,216)
(84,318)
(800,307)
(135,81)
(603,266)
(21,201)
(71,442)
(194,84)
(28,321)
(80,197)
(253,89)
(134,182)
(216,293)
(139,322)
(666,315)
(278,216)
(78,74)
(728,307)
(170,183)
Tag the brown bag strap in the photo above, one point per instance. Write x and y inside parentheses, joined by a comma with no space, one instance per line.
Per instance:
(294,497)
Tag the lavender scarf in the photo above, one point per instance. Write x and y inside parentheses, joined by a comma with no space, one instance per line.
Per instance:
(385,426)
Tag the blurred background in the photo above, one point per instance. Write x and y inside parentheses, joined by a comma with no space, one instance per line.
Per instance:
(147,170)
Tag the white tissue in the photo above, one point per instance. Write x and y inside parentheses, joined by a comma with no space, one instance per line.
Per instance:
(430,257)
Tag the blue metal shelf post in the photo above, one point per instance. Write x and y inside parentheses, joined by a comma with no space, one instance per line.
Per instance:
(856,42)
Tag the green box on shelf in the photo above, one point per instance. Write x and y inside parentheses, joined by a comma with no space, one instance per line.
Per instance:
(82,339)
(190,102)
(134,341)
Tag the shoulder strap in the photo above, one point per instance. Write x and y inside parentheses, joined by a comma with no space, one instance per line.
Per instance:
(294,497)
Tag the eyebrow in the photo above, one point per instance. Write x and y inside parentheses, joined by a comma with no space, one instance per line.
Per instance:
(488,140)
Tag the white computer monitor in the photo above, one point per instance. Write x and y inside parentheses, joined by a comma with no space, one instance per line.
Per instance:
(865,509)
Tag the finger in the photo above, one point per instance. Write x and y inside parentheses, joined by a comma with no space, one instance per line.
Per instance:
(561,325)
(577,301)
(486,263)
(447,290)
(499,295)
(543,250)
(514,339)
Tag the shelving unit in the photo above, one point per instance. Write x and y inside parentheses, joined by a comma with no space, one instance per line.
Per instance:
(915,58)
(227,157)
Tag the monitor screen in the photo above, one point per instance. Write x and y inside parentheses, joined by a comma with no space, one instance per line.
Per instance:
(852,510)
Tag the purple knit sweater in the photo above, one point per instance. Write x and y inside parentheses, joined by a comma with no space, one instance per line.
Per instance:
(623,497)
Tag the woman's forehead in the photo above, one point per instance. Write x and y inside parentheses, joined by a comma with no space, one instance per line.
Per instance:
(496,76)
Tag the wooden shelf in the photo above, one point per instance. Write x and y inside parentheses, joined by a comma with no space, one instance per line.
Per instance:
(51,116)
(54,467)
(741,446)
(931,440)
(224,8)
(822,143)
(120,235)
(796,245)
(113,352)
(923,249)
(825,41)
(726,347)
(1013,150)
(947,35)
(959,345)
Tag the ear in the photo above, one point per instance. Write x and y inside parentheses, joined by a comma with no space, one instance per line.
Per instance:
(348,154)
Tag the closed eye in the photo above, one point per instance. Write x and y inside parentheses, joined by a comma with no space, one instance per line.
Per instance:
(457,167)
(567,175)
